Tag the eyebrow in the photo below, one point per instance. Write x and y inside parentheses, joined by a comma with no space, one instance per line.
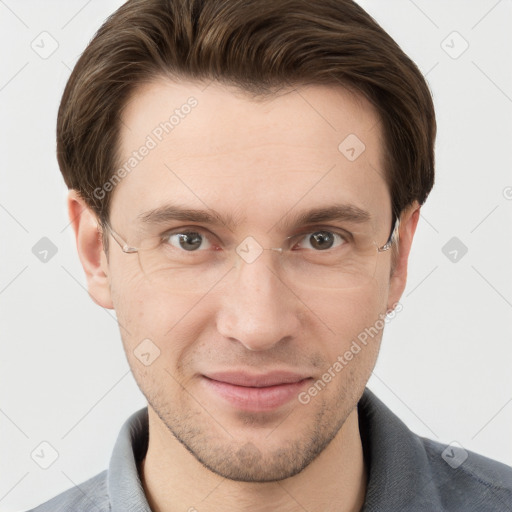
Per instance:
(337,212)
(171,212)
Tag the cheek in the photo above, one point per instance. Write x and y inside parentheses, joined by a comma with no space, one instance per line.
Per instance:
(351,319)
(169,321)
(157,331)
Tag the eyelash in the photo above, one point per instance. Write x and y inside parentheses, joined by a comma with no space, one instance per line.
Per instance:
(345,236)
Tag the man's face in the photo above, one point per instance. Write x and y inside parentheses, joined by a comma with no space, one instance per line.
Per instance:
(259,165)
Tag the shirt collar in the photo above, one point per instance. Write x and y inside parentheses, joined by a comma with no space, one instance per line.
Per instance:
(124,484)
(399,474)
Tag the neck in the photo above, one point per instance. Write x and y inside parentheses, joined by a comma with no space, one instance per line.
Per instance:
(174,480)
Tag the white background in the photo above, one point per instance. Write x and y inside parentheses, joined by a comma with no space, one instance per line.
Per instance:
(445,365)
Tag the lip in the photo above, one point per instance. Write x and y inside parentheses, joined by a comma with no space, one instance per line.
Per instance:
(251,392)
(257,380)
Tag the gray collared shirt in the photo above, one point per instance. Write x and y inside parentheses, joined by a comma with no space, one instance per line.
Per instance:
(405,472)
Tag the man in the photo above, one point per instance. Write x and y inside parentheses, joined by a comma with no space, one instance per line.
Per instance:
(245,184)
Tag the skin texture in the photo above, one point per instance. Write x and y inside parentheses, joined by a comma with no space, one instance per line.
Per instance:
(259,163)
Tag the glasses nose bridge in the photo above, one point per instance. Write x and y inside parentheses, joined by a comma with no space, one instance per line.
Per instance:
(250,250)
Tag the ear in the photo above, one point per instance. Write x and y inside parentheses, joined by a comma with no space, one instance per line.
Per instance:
(398,279)
(90,249)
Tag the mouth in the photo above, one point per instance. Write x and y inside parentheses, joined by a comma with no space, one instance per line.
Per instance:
(250,392)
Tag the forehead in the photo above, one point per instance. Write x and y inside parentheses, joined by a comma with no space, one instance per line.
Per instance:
(209,146)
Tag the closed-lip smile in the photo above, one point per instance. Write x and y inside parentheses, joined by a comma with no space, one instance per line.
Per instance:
(255,392)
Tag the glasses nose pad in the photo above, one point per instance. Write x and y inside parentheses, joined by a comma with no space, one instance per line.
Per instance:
(143,268)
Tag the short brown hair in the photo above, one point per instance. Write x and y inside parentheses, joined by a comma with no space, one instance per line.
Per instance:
(260,47)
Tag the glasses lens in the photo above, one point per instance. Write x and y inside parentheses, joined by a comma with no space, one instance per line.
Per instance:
(318,260)
(194,277)
(349,268)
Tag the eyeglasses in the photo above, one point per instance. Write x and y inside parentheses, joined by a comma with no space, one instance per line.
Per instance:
(193,259)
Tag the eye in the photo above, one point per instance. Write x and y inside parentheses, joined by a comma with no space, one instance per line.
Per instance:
(321,240)
(188,240)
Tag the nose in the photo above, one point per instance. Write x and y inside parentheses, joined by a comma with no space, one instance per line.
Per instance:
(257,309)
